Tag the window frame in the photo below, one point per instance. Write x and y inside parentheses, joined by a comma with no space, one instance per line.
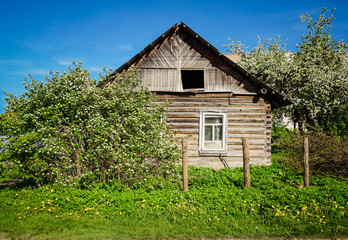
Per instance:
(209,151)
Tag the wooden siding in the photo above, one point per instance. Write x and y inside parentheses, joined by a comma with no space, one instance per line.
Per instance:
(161,69)
(246,118)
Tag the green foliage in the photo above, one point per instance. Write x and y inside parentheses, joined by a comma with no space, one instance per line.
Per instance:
(328,155)
(70,130)
(216,206)
(315,78)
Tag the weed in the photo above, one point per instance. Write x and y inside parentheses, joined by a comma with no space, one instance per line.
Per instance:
(217,205)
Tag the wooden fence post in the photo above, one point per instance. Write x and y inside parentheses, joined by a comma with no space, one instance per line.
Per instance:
(306,161)
(184,165)
(246,167)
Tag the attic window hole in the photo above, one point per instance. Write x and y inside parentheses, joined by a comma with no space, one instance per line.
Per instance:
(192,79)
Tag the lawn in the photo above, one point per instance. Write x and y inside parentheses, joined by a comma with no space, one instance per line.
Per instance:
(216,206)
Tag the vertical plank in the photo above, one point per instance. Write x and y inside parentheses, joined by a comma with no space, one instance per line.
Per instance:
(306,161)
(246,167)
(184,165)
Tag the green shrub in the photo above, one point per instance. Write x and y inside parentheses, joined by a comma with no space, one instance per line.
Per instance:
(328,155)
(70,130)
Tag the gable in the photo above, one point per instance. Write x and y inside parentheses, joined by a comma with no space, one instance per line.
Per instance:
(162,69)
(179,49)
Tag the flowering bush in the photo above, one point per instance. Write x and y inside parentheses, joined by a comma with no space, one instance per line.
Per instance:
(74,130)
(315,78)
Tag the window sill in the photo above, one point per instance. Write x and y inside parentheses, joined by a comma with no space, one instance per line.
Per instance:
(213,153)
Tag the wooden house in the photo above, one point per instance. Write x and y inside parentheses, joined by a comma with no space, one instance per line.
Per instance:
(214,101)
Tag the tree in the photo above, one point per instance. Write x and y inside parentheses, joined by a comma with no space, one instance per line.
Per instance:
(71,130)
(315,78)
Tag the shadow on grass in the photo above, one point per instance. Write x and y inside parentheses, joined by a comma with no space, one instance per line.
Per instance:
(17,183)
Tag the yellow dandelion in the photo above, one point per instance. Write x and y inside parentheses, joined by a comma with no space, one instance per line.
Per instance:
(120,213)
(70,214)
(56,216)
(28,207)
(52,190)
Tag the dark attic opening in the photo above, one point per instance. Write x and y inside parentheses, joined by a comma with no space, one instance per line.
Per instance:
(192,79)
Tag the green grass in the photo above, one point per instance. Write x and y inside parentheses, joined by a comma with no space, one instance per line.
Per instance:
(216,206)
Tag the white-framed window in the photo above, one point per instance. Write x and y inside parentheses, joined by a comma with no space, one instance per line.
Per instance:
(212,133)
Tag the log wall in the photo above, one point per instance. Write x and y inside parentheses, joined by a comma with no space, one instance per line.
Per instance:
(248,116)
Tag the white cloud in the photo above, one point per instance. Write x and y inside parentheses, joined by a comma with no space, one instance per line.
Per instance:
(64,62)
(32,72)
(95,69)
(126,47)
(14,62)
(39,72)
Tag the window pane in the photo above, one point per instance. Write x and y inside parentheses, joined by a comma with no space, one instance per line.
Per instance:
(208,133)
(218,133)
(213,120)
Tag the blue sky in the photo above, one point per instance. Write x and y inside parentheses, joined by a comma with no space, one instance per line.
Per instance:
(39,35)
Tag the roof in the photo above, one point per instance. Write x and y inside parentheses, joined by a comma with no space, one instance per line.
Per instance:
(276,99)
